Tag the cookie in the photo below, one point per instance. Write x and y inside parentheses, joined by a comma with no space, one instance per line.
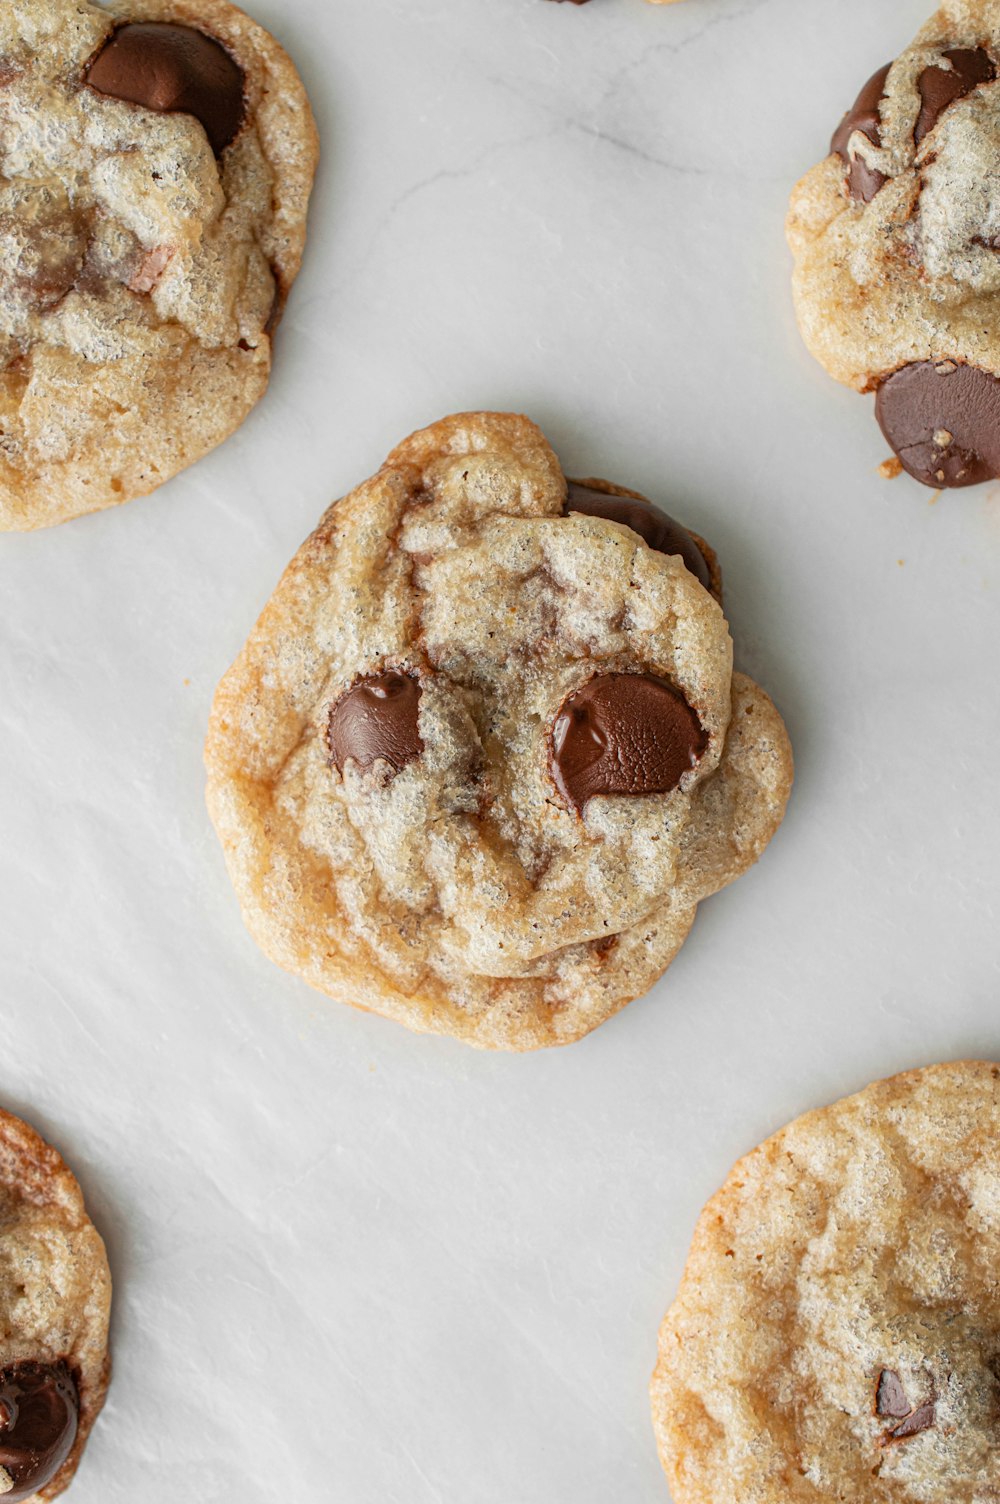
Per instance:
(896,238)
(484,752)
(55,1299)
(156,160)
(837,1330)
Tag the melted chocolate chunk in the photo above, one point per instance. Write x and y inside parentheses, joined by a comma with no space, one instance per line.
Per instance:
(863,182)
(43,247)
(941,87)
(943,421)
(39,1413)
(653,525)
(376,721)
(919,1420)
(890,1396)
(623,734)
(175,70)
(891,1403)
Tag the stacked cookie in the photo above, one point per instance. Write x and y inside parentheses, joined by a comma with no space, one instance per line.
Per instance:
(485,751)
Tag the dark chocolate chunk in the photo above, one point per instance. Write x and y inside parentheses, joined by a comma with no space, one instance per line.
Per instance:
(863,182)
(653,525)
(890,1396)
(940,87)
(624,734)
(918,1420)
(175,70)
(943,421)
(39,1413)
(376,721)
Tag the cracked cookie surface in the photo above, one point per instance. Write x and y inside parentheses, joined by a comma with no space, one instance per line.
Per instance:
(896,238)
(156,160)
(484,752)
(55,1298)
(837,1330)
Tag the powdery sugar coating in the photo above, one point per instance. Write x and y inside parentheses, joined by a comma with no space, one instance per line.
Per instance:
(913,275)
(461,894)
(140,277)
(837,1331)
(55,1288)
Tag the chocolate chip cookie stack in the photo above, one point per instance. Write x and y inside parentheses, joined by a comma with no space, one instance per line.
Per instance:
(519,759)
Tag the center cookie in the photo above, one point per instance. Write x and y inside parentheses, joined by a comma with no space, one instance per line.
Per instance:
(156,159)
(484,752)
(837,1331)
(896,239)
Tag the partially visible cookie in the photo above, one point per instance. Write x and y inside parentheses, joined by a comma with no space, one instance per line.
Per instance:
(156,160)
(55,1298)
(837,1330)
(896,237)
(484,752)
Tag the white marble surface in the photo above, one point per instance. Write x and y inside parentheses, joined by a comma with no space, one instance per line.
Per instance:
(356,1265)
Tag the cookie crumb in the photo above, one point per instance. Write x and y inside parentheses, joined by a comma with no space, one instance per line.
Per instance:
(890,469)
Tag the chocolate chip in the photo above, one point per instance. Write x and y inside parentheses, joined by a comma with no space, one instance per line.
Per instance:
(891,1403)
(863,182)
(39,1412)
(943,421)
(919,1420)
(653,525)
(940,87)
(890,1396)
(623,734)
(175,70)
(376,721)
(43,245)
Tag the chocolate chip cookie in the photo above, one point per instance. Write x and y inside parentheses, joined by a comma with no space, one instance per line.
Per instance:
(484,752)
(55,1298)
(156,160)
(896,239)
(837,1331)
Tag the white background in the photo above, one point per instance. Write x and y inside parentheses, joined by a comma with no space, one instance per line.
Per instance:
(356,1265)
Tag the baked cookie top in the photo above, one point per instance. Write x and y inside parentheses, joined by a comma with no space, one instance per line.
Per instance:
(484,751)
(55,1298)
(837,1330)
(156,160)
(896,237)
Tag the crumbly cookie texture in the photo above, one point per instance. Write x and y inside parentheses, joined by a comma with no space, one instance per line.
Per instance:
(141,275)
(837,1331)
(896,238)
(55,1300)
(458,872)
